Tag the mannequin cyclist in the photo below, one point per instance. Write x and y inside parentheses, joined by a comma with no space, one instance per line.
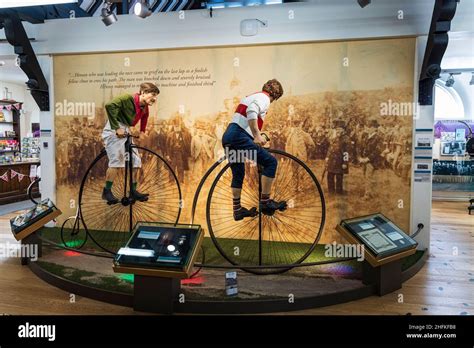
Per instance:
(123,112)
(243,133)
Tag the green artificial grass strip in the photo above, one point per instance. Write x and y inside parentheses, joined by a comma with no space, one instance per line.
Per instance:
(73,274)
(51,233)
(272,252)
(92,279)
(116,285)
(129,278)
(281,252)
(107,239)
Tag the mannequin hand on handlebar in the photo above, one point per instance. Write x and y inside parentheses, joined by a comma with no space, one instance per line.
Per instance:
(120,133)
(259,140)
(134,133)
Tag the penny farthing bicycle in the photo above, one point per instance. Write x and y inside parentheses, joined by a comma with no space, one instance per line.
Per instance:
(110,226)
(284,239)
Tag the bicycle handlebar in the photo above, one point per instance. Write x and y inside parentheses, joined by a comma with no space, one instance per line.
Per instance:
(128,135)
(267,138)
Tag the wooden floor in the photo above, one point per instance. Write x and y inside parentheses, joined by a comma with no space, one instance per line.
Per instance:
(445,285)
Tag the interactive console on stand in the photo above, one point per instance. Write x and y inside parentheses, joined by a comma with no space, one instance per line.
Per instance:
(385,245)
(25,225)
(159,255)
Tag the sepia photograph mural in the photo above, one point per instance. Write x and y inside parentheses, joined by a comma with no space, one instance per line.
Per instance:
(341,114)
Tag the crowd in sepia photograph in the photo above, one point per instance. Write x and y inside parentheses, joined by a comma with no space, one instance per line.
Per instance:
(356,154)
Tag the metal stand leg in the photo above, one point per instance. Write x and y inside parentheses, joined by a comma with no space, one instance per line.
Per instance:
(29,245)
(387,278)
(155,294)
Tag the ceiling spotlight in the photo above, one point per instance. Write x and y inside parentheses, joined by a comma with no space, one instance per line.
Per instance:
(2,63)
(108,17)
(472,79)
(450,81)
(363,3)
(142,9)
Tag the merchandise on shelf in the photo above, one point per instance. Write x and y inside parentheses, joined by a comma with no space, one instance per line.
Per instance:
(9,145)
(9,151)
(30,148)
(6,159)
(10,134)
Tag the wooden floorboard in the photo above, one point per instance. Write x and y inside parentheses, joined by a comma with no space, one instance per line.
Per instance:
(444,286)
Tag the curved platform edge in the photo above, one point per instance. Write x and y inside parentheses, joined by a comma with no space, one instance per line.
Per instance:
(417,266)
(224,307)
(275,305)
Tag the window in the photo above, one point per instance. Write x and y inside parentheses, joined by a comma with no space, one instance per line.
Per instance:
(448,104)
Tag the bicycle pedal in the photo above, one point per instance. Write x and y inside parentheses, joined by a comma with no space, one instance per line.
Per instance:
(144,199)
(268,213)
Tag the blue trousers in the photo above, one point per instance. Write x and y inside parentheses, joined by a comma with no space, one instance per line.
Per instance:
(236,138)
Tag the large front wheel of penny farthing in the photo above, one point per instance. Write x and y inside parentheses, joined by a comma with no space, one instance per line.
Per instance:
(109,226)
(286,238)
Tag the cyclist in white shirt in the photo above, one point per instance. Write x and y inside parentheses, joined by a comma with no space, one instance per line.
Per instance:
(243,133)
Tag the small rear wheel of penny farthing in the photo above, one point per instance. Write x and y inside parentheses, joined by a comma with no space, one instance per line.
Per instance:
(287,237)
(110,226)
(73,233)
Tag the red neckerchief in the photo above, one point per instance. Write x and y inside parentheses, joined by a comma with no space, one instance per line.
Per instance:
(140,115)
